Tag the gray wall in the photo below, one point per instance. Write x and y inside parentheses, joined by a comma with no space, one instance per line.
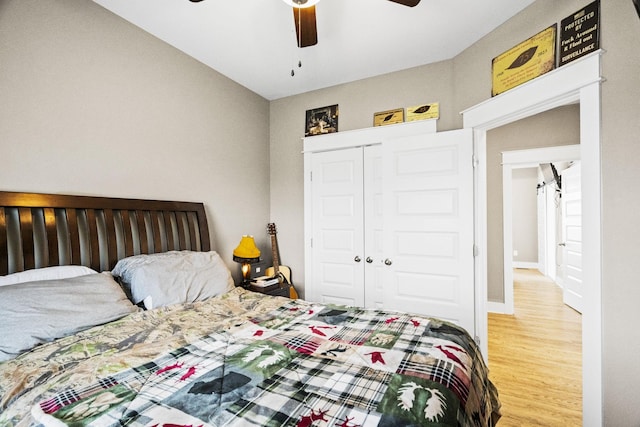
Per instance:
(465,81)
(525,215)
(91,104)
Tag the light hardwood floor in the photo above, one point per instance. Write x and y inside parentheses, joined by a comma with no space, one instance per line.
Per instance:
(535,356)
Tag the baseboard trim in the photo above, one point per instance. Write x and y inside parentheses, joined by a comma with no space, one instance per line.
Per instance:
(496,307)
(524,264)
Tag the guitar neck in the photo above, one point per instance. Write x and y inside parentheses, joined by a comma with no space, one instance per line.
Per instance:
(274,254)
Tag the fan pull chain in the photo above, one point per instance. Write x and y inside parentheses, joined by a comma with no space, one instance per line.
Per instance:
(293,73)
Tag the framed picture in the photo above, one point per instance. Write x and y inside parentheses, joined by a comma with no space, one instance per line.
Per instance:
(320,121)
(389,117)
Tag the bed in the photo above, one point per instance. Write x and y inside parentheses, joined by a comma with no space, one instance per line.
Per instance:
(144,327)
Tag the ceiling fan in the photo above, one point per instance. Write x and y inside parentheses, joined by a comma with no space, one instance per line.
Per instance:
(304,16)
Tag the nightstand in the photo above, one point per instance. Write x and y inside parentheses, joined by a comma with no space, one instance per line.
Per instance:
(275,290)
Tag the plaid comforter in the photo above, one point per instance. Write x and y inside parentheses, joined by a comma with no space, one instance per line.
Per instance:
(299,364)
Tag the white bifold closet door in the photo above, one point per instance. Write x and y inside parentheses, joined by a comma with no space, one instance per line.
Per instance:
(392,226)
(428,226)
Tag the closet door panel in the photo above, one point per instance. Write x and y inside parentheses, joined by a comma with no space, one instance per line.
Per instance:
(337,212)
(428,225)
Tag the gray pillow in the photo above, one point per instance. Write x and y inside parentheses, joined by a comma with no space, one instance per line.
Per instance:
(32,313)
(174,277)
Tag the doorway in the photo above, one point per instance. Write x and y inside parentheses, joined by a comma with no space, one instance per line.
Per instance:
(579,82)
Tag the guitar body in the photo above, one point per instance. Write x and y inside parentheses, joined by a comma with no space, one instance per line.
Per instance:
(281,271)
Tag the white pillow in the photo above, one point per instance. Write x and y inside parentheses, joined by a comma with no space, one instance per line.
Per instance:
(174,277)
(46,273)
(36,312)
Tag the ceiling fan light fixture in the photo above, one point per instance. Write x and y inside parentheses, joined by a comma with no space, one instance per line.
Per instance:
(301,3)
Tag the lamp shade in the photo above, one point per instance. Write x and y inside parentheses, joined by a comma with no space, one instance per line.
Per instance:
(301,3)
(247,251)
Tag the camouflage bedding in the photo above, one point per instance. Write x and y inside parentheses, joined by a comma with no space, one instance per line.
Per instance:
(248,359)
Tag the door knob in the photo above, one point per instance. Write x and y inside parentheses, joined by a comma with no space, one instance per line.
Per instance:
(369,259)
(387,262)
(357,259)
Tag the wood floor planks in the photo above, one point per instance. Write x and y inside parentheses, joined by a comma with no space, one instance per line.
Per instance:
(535,356)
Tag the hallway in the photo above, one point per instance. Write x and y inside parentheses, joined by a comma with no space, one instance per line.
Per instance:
(535,356)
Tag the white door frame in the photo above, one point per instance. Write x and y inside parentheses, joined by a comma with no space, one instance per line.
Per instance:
(519,159)
(578,81)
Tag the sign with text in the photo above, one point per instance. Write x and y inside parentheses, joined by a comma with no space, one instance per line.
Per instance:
(390,117)
(528,60)
(580,33)
(423,112)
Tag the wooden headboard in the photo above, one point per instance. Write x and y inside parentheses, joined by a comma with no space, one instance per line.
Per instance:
(42,230)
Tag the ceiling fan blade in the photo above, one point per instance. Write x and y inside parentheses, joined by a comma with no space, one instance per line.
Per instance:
(306,31)
(409,3)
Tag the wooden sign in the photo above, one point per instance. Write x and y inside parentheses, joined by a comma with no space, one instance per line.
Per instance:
(526,61)
(423,112)
(580,33)
(389,117)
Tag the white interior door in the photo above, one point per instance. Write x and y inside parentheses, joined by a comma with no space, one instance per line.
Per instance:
(373,227)
(428,226)
(572,245)
(337,217)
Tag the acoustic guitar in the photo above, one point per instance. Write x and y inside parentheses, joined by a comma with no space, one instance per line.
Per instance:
(281,271)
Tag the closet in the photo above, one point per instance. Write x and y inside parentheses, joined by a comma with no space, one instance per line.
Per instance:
(389,220)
